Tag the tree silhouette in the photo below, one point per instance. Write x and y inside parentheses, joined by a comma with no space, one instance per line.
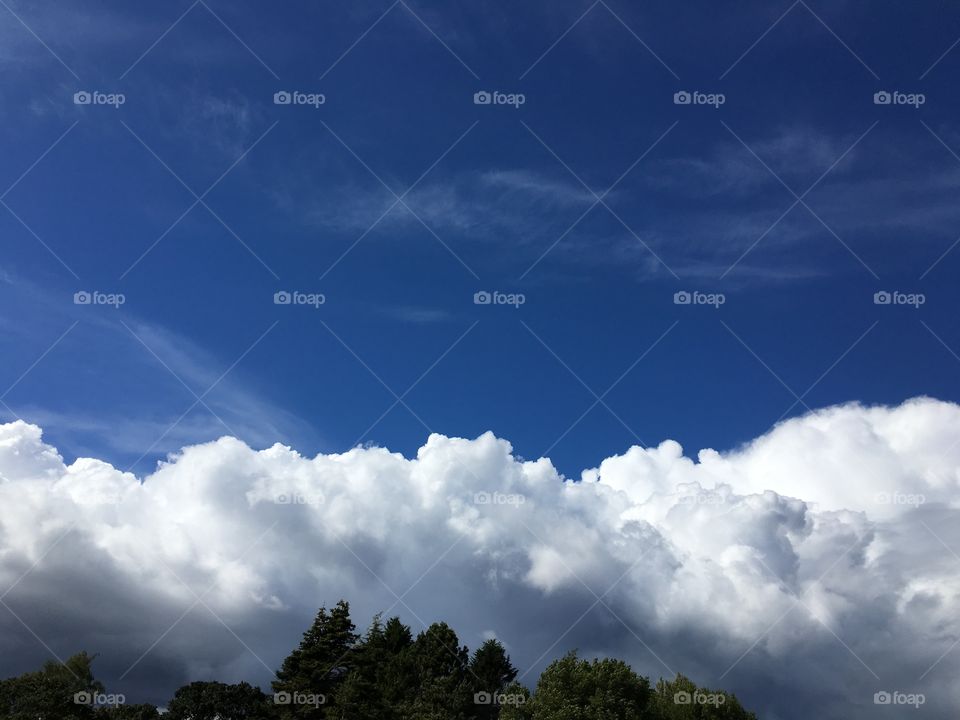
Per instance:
(385,674)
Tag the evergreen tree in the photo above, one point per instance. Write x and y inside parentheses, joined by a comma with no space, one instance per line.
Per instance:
(399,681)
(386,675)
(319,665)
(443,691)
(490,671)
(397,636)
(360,696)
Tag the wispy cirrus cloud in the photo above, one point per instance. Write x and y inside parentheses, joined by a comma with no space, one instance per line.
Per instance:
(153,397)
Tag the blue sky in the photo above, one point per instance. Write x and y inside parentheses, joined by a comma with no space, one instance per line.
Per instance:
(813,226)
(599,356)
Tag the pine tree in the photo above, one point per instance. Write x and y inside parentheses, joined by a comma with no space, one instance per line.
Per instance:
(386,675)
(443,691)
(311,675)
(360,697)
(490,671)
(399,681)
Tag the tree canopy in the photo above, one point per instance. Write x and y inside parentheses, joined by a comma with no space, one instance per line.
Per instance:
(385,673)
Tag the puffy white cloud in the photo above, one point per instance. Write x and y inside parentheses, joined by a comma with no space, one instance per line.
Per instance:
(806,570)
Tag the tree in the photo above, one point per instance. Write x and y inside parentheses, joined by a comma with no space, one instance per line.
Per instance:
(390,676)
(397,636)
(398,680)
(574,689)
(360,696)
(218,701)
(681,699)
(516,703)
(386,674)
(318,666)
(490,671)
(443,691)
(58,691)
(129,712)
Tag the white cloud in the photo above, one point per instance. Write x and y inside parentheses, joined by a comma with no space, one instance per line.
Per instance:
(780,548)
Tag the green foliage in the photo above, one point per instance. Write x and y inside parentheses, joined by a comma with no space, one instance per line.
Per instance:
(218,701)
(575,689)
(682,699)
(490,667)
(128,712)
(490,672)
(518,706)
(386,674)
(319,665)
(49,694)
(399,676)
(359,696)
(442,691)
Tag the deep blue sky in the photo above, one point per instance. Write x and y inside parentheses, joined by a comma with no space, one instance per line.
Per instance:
(799,308)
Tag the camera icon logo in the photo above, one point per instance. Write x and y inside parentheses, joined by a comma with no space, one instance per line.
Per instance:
(83,698)
(481,498)
(282,698)
(482,98)
(482,298)
(82,98)
(282,298)
(882,298)
(282,98)
(882,698)
(882,98)
(682,698)
(482,698)
(82,298)
(682,298)
(682,98)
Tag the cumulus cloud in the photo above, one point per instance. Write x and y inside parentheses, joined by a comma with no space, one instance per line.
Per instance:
(806,570)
